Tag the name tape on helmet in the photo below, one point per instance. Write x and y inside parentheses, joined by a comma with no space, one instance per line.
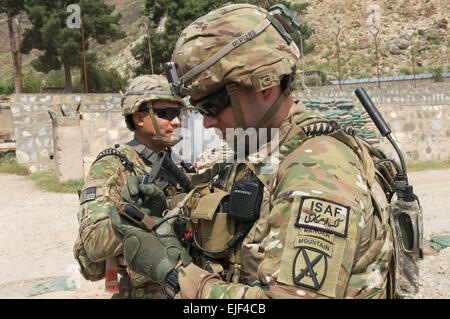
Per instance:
(244,38)
(225,50)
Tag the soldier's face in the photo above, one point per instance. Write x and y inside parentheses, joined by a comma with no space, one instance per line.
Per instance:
(254,105)
(164,115)
(226,118)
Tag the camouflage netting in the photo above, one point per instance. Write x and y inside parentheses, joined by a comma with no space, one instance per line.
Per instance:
(342,111)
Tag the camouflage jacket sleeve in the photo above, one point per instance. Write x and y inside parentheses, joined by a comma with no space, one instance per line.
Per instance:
(103,185)
(324,240)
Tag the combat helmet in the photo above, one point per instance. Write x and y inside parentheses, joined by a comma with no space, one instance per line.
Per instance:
(142,91)
(237,45)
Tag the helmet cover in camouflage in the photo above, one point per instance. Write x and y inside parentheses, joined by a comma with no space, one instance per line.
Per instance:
(266,55)
(147,88)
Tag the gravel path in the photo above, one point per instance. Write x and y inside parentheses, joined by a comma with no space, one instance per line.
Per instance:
(39,229)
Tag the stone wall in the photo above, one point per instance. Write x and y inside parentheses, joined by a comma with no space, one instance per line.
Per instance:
(101,130)
(418,118)
(421,131)
(101,125)
(437,93)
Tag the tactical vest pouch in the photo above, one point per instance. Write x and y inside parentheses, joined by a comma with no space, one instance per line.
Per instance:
(90,270)
(408,236)
(214,227)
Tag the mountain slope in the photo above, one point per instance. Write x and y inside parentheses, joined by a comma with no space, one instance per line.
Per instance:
(397,19)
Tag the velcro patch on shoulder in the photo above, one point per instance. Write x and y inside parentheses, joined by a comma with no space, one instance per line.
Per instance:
(88,194)
(324,215)
(313,253)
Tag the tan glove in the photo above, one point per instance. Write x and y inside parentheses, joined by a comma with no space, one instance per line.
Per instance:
(192,279)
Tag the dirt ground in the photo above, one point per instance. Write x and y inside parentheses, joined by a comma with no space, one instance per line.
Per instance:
(38,230)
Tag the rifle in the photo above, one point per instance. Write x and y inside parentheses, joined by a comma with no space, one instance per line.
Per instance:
(164,173)
(164,164)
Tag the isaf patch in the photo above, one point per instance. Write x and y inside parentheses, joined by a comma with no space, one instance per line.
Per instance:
(315,244)
(309,268)
(324,215)
(88,194)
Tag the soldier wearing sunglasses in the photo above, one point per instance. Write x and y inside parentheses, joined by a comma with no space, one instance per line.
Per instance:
(152,112)
(321,229)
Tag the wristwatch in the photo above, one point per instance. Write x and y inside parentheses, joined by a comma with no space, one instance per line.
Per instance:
(171,286)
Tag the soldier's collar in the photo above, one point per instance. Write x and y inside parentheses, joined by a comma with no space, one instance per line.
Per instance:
(265,166)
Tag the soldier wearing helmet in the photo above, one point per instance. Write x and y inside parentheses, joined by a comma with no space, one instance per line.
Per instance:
(152,112)
(317,226)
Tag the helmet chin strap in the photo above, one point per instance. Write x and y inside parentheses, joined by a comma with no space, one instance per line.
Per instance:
(237,108)
(157,137)
(274,107)
(232,90)
(166,141)
(262,123)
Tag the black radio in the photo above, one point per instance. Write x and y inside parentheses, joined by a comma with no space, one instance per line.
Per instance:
(245,199)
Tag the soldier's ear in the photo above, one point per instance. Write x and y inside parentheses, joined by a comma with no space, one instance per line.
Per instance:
(138,119)
(271,92)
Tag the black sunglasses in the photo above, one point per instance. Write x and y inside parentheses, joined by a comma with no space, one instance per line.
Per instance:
(167,113)
(213,103)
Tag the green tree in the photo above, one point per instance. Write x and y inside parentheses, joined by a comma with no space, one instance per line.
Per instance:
(55,32)
(437,75)
(180,13)
(12,8)
(104,80)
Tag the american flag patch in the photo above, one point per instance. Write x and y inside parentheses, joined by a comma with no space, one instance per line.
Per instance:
(87,194)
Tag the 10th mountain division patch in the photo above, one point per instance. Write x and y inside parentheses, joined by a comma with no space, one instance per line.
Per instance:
(310,268)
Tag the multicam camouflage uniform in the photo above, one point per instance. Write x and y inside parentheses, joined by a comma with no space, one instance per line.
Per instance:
(323,229)
(102,189)
(318,234)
